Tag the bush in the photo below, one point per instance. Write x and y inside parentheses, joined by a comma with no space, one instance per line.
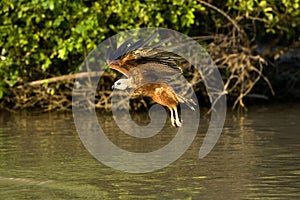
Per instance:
(45,38)
(51,37)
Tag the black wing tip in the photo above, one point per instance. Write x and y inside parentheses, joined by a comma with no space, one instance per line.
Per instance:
(128,46)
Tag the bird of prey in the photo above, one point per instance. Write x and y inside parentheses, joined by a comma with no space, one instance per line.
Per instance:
(149,70)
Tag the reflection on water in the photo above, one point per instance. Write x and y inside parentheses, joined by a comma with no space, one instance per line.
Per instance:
(257,156)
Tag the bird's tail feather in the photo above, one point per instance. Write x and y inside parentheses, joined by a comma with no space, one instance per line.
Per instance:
(189,102)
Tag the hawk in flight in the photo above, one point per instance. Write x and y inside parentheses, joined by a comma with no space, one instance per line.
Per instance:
(149,71)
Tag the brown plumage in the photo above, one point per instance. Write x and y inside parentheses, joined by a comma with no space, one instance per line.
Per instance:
(148,72)
(163,95)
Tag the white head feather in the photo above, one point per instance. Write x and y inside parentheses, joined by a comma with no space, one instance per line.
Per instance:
(122,84)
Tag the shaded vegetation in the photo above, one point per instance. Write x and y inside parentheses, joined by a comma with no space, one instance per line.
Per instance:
(41,39)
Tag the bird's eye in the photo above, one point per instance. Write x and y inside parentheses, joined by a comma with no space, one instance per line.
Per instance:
(118,83)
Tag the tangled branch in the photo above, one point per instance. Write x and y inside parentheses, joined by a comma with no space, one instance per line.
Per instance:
(234,56)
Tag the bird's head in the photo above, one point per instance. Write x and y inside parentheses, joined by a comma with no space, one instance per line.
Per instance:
(122,84)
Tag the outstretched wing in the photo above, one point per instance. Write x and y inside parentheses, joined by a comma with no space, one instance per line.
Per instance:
(122,58)
(145,63)
(153,72)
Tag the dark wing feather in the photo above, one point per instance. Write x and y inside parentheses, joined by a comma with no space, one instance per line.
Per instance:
(127,47)
(169,59)
(152,72)
(150,59)
(135,46)
(123,48)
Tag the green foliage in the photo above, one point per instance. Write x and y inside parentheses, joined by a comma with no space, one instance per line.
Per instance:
(42,38)
(276,16)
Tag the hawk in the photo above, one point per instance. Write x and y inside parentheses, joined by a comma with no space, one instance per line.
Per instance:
(149,72)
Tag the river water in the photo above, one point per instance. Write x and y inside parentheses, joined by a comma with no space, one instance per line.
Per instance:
(256,157)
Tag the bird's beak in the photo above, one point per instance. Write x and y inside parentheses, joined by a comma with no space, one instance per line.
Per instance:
(113,86)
